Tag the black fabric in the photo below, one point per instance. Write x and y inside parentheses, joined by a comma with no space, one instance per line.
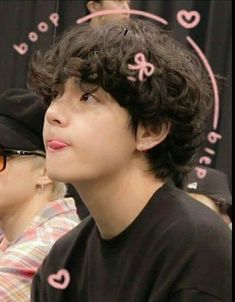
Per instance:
(21,120)
(192,295)
(176,250)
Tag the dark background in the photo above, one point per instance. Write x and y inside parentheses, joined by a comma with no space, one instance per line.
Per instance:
(212,35)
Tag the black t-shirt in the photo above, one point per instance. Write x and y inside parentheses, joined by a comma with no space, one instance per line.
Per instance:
(176,250)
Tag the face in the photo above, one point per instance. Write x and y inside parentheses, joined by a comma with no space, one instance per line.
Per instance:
(17,183)
(113,4)
(87,136)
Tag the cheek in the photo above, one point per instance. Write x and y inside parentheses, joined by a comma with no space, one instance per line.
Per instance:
(45,128)
(104,136)
(13,189)
(5,187)
(108,151)
(18,176)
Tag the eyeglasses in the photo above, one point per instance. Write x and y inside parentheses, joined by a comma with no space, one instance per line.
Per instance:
(4,153)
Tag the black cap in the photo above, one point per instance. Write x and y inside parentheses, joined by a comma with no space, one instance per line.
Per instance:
(21,120)
(213,185)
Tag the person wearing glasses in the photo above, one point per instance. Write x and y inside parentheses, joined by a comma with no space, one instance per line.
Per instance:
(33,212)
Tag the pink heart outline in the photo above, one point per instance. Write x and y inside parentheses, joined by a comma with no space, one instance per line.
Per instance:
(188,16)
(54,279)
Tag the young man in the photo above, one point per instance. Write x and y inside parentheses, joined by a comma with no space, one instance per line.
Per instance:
(101,5)
(33,213)
(212,190)
(127,106)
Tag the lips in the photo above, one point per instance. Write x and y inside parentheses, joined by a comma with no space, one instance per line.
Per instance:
(56,145)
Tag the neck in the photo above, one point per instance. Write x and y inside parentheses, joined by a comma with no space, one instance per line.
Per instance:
(14,222)
(114,203)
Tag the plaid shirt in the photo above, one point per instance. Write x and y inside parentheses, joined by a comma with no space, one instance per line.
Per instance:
(20,259)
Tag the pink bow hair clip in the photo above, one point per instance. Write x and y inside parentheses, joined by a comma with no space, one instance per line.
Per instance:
(145,68)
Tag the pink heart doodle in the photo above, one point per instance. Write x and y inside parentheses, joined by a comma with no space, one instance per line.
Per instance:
(55,280)
(192,18)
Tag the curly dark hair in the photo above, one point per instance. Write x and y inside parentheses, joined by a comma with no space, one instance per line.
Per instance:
(178,93)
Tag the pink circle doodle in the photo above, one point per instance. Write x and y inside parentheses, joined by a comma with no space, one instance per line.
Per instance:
(144,67)
(43,27)
(192,18)
(33,36)
(55,280)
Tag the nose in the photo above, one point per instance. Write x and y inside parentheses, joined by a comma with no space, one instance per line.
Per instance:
(56,113)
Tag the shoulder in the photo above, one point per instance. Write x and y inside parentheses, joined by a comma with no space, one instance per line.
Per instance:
(23,258)
(54,221)
(185,219)
(196,237)
(192,211)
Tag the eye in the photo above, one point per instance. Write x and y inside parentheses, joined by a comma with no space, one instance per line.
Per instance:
(88,98)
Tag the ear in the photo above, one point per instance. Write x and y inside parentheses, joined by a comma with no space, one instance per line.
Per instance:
(149,137)
(93,6)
